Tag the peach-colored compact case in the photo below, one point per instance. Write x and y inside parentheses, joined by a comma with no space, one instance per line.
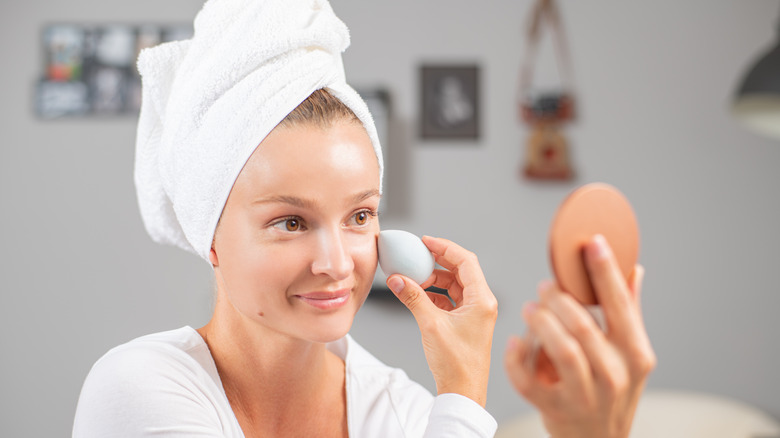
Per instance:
(592,209)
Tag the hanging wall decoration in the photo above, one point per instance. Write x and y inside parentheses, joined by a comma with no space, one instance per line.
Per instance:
(546,112)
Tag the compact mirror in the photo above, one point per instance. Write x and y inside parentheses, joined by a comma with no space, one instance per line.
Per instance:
(592,209)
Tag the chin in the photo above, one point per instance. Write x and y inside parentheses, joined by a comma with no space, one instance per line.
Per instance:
(329,332)
(335,326)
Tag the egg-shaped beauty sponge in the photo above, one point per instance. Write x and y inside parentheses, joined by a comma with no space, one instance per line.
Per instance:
(401,252)
(592,209)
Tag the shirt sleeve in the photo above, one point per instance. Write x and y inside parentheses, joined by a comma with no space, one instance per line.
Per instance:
(143,393)
(454,415)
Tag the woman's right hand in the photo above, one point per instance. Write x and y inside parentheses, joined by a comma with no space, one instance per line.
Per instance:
(457,338)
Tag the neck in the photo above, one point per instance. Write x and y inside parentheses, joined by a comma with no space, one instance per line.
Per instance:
(269,377)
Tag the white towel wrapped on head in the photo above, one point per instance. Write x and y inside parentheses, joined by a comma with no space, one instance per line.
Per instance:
(209,101)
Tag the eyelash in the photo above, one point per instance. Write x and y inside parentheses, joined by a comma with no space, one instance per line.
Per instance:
(285,220)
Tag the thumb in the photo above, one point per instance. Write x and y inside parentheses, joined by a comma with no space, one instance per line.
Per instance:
(411,294)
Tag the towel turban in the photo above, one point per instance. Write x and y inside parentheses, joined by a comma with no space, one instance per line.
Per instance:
(209,101)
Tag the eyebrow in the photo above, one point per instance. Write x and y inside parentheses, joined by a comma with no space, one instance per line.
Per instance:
(308,203)
(360,197)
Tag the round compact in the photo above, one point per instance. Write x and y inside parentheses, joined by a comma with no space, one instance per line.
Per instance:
(591,209)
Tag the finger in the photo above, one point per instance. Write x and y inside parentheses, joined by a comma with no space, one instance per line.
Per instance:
(635,282)
(440,300)
(520,375)
(581,325)
(635,286)
(464,265)
(641,356)
(438,246)
(457,259)
(412,296)
(610,287)
(444,279)
(562,349)
(514,364)
(624,321)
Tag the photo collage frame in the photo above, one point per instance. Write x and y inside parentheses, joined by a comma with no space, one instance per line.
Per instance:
(90,70)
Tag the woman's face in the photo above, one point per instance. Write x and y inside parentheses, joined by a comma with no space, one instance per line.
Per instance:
(295,251)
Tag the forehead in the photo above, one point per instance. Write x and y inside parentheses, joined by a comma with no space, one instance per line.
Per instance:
(310,159)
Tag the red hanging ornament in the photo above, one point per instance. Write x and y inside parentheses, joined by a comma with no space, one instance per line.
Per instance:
(547,150)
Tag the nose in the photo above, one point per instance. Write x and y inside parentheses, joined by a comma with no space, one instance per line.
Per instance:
(332,257)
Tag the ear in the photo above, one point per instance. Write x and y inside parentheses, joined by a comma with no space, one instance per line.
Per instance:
(213,257)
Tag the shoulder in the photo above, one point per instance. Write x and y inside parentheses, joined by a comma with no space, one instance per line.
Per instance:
(383,398)
(174,355)
(165,375)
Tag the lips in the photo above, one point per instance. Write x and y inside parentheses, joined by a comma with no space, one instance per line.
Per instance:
(325,299)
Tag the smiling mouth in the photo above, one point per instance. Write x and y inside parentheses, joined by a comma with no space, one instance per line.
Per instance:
(325,300)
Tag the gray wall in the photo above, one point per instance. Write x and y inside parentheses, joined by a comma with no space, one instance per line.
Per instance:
(654,78)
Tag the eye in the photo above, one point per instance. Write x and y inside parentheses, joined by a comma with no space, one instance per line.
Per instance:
(289,224)
(362,217)
(292,224)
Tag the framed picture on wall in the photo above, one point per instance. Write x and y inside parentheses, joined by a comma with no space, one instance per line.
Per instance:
(450,101)
(90,69)
(378,102)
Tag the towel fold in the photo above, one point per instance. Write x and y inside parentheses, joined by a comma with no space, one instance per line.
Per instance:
(209,101)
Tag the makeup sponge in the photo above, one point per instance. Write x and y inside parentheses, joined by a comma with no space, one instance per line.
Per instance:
(401,252)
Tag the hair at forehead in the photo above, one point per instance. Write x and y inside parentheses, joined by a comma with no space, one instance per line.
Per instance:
(321,109)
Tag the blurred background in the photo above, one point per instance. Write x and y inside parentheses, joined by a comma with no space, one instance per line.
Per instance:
(655,81)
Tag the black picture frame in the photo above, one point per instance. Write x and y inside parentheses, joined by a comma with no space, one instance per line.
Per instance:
(378,101)
(379,105)
(450,102)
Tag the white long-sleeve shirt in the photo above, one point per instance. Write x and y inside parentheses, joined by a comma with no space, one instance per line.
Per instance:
(167,385)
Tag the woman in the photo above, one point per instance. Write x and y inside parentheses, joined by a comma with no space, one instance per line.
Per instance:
(255,154)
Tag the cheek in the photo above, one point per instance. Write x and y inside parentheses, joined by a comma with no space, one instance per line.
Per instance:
(269,266)
(261,280)
(365,255)
(252,268)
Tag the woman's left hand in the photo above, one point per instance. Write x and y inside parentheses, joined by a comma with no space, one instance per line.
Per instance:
(594,379)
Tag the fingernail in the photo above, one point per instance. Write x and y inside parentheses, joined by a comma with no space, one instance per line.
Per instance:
(512,343)
(396,284)
(544,285)
(600,247)
(529,308)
